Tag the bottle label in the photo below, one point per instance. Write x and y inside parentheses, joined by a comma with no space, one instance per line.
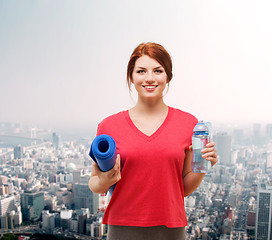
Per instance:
(199,143)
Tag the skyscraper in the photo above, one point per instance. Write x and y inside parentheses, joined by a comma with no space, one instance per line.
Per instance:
(85,198)
(223,147)
(76,176)
(32,204)
(65,217)
(7,204)
(56,140)
(18,152)
(264,213)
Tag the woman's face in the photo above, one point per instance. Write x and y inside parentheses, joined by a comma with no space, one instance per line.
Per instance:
(149,78)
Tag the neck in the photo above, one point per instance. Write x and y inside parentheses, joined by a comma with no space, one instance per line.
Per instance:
(150,106)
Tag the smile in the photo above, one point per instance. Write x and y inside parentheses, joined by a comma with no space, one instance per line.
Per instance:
(150,86)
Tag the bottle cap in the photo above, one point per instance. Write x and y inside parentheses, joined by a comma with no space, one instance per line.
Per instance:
(201,127)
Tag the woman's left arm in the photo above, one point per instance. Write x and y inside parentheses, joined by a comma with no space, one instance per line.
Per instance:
(192,180)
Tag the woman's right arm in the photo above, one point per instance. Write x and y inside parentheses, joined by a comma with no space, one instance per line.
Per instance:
(100,182)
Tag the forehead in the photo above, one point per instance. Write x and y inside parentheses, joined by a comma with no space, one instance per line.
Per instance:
(146,61)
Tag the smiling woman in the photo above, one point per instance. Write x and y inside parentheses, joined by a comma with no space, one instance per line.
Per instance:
(149,77)
(153,165)
(154,51)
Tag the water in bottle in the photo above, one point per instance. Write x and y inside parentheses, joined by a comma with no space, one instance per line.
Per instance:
(200,138)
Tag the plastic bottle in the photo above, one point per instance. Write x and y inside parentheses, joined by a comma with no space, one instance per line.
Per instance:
(200,139)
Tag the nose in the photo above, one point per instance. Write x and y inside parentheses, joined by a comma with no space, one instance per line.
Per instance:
(149,77)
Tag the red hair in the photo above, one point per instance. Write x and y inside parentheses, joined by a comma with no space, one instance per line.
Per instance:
(153,50)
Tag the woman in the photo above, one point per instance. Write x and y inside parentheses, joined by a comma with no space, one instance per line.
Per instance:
(153,166)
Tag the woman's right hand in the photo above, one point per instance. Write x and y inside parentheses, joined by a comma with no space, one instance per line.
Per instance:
(100,181)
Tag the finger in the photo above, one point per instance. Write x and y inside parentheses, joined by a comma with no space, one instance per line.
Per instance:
(116,167)
(213,161)
(210,154)
(210,144)
(206,150)
(211,158)
(190,148)
(117,163)
(116,173)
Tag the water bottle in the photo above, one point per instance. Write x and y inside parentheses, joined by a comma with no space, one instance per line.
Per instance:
(200,138)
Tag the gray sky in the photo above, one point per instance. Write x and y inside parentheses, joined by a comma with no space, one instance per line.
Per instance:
(63,63)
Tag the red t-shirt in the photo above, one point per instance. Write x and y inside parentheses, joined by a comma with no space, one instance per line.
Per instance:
(150,192)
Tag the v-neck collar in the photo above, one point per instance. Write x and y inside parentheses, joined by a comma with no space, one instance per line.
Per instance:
(156,133)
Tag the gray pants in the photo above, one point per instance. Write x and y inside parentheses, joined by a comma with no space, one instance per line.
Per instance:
(145,233)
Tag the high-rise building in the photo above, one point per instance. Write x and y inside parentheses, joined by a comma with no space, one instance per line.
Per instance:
(45,219)
(264,213)
(65,217)
(18,218)
(74,225)
(97,229)
(56,140)
(4,222)
(251,218)
(85,198)
(18,152)
(76,176)
(32,204)
(82,223)
(11,219)
(7,204)
(223,147)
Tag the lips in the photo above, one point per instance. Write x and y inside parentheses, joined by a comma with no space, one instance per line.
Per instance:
(150,87)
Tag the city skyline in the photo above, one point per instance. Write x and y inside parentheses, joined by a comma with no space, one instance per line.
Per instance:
(53,177)
(63,65)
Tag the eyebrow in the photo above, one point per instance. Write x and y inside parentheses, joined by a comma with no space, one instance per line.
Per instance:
(154,68)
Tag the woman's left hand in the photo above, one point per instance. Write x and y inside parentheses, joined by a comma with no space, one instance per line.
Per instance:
(209,153)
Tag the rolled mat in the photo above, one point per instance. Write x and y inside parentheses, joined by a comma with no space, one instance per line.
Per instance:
(103,152)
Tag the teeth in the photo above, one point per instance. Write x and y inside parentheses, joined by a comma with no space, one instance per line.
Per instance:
(149,87)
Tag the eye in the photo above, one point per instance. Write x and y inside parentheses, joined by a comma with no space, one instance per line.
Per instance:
(158,71)
(140,71)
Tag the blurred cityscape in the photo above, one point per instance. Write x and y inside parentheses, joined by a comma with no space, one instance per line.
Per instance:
(44,187)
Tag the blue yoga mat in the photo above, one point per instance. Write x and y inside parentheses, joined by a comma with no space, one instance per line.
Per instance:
(103,152)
